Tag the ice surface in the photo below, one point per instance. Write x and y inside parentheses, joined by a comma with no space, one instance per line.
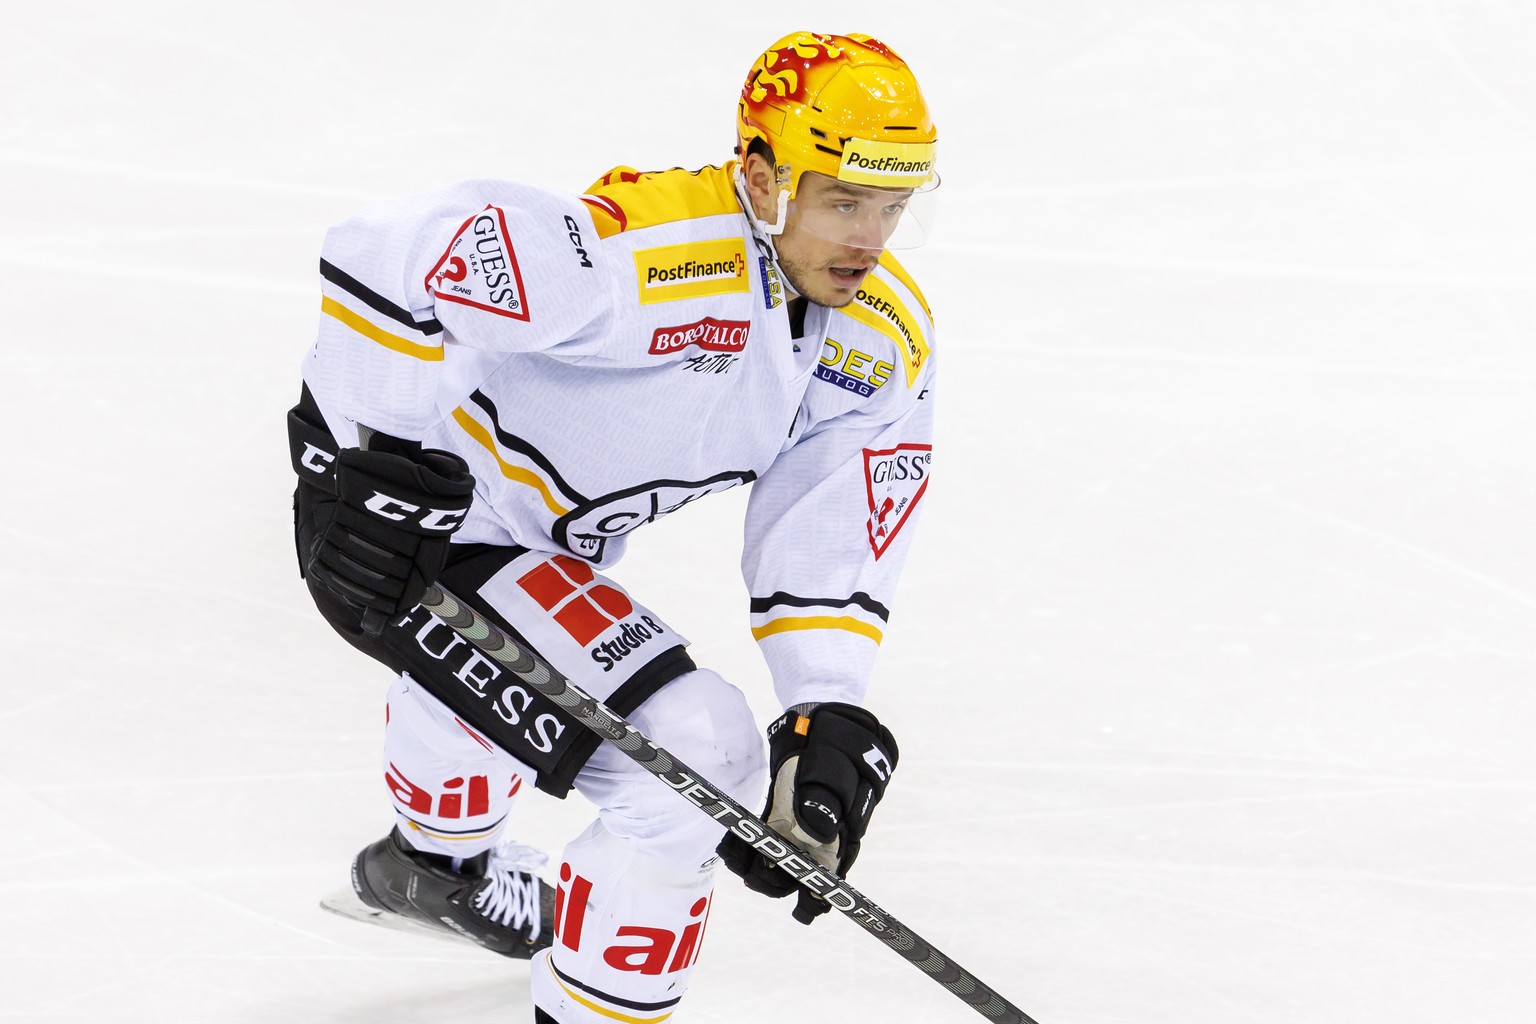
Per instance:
(1213,671)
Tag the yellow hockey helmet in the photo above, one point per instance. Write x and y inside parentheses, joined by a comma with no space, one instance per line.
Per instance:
(844,106)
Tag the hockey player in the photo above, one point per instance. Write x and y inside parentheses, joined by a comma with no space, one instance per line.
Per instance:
(507,382)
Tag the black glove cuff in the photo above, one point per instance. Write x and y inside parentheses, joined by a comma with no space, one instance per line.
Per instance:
(844,727)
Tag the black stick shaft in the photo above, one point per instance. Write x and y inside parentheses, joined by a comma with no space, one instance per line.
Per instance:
(698,791)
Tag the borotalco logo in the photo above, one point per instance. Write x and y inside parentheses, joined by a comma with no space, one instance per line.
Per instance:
(692,270)
(479,268)
(895,480)
(888,164)
(709,334)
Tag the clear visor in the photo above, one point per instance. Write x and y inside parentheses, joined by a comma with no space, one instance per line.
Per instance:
(862,216)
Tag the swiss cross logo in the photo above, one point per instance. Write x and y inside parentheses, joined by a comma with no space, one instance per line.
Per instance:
(894,480)
(563,586)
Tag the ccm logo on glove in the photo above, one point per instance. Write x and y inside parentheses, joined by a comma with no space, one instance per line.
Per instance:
(876,760)
(386,540)
(399,510)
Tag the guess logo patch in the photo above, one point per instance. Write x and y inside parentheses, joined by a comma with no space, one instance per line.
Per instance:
(479,268)
(895,479)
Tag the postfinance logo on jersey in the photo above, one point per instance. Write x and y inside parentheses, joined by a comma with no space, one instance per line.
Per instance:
(878,307)
(691,270)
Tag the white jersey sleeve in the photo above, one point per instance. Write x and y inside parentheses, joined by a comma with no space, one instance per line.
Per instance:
(829,524)
(488,265)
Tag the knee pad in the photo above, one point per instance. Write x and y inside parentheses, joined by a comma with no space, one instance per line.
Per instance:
(704,722)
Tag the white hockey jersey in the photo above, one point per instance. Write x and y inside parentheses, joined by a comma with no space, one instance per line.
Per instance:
(603,360)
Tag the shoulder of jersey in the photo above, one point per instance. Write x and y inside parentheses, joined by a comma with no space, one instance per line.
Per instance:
(890,304)
(625,199)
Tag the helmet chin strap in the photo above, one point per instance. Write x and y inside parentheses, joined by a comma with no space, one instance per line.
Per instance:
(762,231)
(782,204)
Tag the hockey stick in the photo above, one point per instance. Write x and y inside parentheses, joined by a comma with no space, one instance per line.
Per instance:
(593,714)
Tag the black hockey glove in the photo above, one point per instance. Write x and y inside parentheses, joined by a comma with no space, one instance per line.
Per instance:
(828,770)
(397,505)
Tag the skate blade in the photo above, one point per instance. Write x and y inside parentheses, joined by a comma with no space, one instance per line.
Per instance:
(344,902)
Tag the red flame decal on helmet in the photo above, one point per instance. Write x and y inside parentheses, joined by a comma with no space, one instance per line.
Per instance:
(781,74)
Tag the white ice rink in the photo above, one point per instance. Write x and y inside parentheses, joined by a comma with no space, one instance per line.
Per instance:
(1215,669)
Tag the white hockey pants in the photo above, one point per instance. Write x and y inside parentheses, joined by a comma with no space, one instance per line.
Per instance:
(634,888)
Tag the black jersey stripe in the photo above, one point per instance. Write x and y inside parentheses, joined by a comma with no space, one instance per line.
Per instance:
(628,1004)
(517,444)
(861,599)
(378,303)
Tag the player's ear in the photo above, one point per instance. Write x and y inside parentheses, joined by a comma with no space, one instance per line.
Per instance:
(762,185)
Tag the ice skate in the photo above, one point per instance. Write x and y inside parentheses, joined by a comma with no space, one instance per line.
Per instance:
(494,900)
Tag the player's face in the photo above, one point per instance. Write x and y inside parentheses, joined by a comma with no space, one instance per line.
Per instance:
(834,235)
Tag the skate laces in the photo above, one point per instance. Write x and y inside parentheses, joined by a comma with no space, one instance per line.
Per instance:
(512,899)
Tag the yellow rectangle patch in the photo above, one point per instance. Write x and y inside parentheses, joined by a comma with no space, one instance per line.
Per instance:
(887,164)
(692,270)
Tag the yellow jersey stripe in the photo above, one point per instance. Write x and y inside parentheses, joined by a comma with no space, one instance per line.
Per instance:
(846,622)
(899,272)
(625,199)
(595,1008)
(517,474)
(877,305)
(430,353)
